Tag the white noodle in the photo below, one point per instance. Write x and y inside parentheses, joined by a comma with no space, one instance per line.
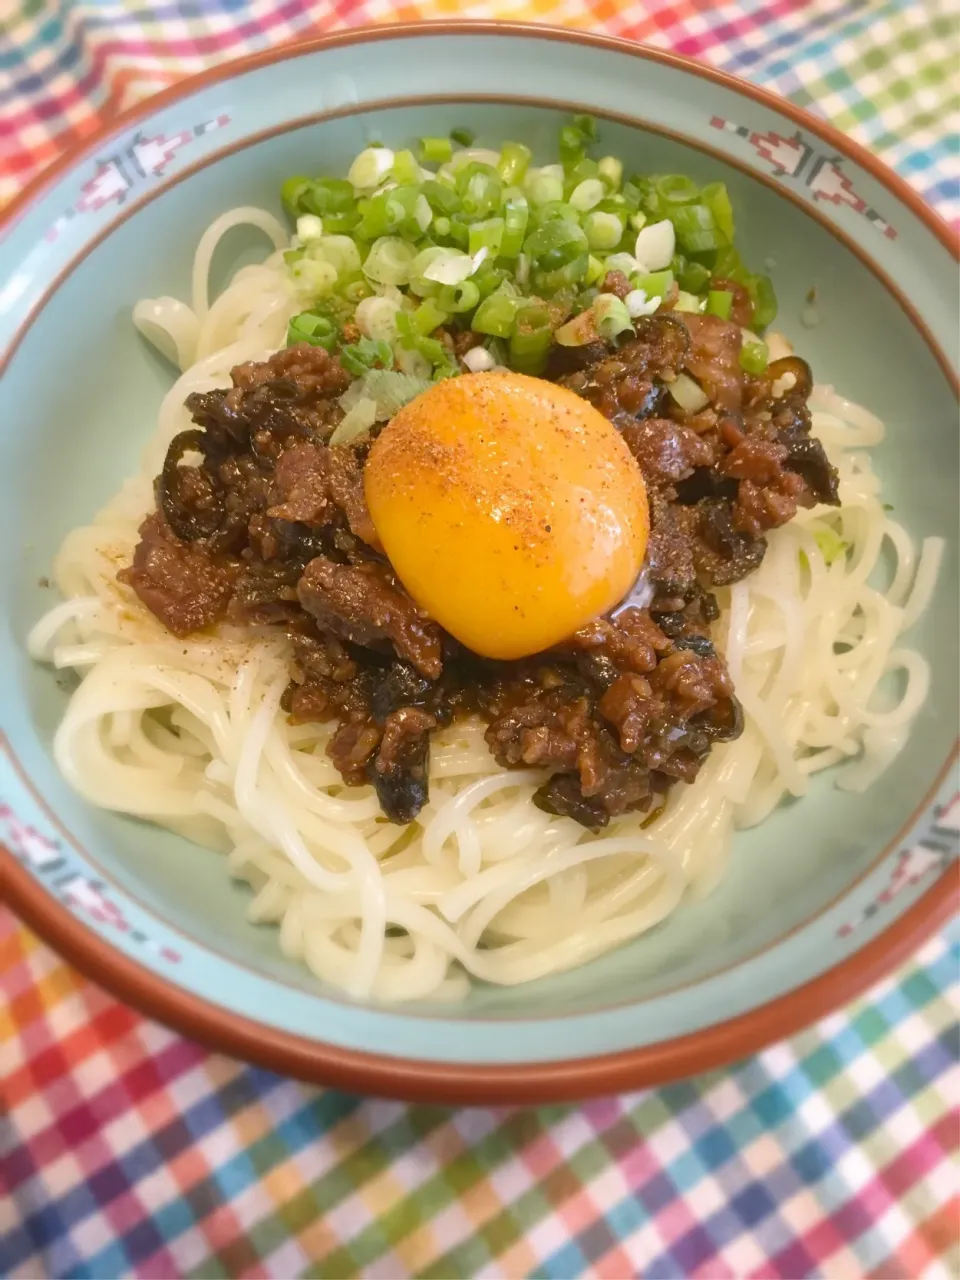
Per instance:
(189,733)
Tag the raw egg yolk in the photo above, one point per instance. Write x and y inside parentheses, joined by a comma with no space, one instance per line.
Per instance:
(510,508)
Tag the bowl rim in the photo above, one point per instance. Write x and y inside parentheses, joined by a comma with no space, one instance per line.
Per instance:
(420,1080)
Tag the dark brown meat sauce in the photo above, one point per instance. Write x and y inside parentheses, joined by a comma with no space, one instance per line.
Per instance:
(259,522)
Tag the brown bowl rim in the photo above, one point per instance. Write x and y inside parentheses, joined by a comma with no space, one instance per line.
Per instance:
(417,1080)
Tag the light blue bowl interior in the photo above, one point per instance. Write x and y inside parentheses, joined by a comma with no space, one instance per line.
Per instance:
(81,398)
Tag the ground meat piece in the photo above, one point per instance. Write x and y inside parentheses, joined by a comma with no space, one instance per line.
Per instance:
(631,640)
(541,733)
(265,593)
(317,483)
(352,747)
(755,459)
(307,368)
(365,605)
(670,549)
(321,657)
(181,583)
(628,706)
(695,683)
(759,508)
(741,309)
(666,451)
(616,282)
(714,358)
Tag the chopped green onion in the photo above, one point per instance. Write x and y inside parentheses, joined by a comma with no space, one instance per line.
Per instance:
(655,245)
(610,172)
(603,230)
(572,148)
(514,160)
(370,168)
(449,266)
(543,186)
(463,137)
(480,189)
(435,150)
(719,303)
(316,327)
(442,199)
(457,298)
(753,357)
(314,277)
(831,545)
(459,233)
(585,170)
(340,251)
(610,316)
(562,278)
(655,284)
(441,227)
(292,191)
(588,194)
(489,278)
(357,289)
(691,276)
(558,211)
(390,390)
(631,195)
(376,317)
(688,394)
(555,242)
(587,126)
(309,227)
(764,301)
(676,189)
(389,261)
(486,235)
(531,339)
(405,167)
(596,270)
(717,200)
(427,317)
(358,357)
(357,422)
(727,264)
(495,315)
(516,214)
(686,302)
(696,228)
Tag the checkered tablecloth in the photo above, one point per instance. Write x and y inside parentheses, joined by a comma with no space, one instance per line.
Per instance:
(125,1150)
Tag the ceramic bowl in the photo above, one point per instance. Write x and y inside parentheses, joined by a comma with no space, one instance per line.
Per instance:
(819,900)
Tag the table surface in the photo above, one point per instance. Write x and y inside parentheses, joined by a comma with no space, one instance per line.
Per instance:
(127,1150)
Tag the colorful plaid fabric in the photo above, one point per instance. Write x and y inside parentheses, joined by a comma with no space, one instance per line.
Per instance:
(125,1150)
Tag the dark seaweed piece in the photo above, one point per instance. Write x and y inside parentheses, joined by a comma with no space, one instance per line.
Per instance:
(188,521)
(808,458)
(741,553)
(802,373)
(701,645)
(705,483)
(722,723)
(671,624)
(598,669)
(403,788)
(400,685)
(562,796)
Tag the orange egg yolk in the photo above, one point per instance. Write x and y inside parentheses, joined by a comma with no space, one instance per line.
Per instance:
(510,508)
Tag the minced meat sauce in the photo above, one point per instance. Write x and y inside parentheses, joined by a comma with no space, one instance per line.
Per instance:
(270,529)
